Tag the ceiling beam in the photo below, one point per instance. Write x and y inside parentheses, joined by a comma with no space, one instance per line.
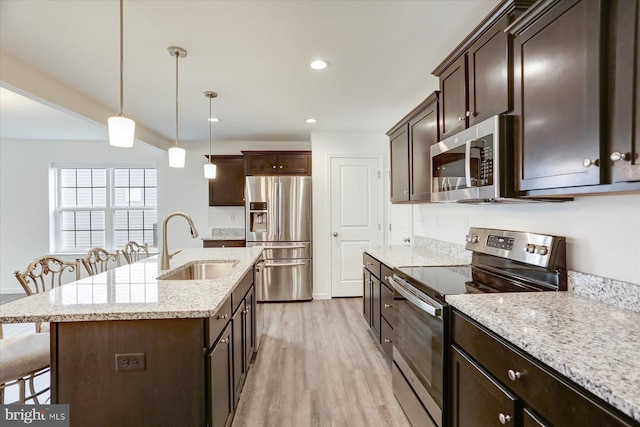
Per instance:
(20,78)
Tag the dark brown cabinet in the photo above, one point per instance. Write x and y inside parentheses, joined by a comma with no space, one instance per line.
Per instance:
(476,78)
(224,243)
(378,302)
(220,373)
(558,94)
(227,188)
(277,162)
(410,143)
(492,380)
(623,153)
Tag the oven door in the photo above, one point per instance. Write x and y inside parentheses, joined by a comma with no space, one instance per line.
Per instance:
(418,350)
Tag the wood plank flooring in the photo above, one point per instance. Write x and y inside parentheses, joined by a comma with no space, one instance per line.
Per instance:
(318,366)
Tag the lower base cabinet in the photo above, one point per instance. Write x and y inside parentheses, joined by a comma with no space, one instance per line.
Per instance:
(377,299)
(220,375)
(494,383)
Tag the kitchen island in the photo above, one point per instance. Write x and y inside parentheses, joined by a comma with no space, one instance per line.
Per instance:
(129,349)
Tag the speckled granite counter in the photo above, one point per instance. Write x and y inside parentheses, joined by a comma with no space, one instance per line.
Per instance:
(594,344)
(226,234)
(133,292)
(399,256)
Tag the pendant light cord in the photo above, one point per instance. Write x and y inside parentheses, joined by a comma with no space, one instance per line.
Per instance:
(209,120)
(121,58)
(177,55)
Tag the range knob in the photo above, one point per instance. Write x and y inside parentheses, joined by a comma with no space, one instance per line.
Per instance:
(542,250)
(529,247)
(472,239)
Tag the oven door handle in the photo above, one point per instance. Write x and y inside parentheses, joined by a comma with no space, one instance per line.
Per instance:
(401,287)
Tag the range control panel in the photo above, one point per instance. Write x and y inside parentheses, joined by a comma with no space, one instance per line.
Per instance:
(530,248)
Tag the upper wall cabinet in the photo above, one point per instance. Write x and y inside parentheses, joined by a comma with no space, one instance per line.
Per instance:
(476,79)
(227,189)
(410,143)
(277,162)
(624,81)
(576,97)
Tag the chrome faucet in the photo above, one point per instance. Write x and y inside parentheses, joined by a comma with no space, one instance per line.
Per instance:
(166,257)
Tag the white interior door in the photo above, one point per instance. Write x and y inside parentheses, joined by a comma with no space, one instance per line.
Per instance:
(356,219)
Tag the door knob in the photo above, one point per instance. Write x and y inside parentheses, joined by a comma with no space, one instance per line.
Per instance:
(335,234)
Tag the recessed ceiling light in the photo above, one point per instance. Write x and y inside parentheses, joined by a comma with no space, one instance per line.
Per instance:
(310,120)
(319,64)
(214,119)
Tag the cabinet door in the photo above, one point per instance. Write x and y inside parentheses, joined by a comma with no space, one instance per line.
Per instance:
(223,243)
(624,75)
(249,333)
(366,295)
(453,98)
(477,399)
(557,94)
(531,420)
(261,164)
(423,133)
(220,390)
(399,142)
(227,188)
(489,74)
(294,164)
(375,306)
(238,352)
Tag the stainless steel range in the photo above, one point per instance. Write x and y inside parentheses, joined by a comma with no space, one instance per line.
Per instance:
(502,261)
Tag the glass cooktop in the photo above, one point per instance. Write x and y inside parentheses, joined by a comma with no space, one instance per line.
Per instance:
(437,281)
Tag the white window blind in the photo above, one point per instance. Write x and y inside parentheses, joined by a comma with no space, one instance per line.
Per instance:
(105,207)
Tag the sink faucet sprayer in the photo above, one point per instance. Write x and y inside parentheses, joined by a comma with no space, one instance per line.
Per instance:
(166,257)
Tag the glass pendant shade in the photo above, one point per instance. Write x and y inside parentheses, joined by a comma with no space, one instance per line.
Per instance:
(176,157)
(209,171)
(121,131)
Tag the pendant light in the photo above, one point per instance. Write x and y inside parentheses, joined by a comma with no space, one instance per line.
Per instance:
(121,128)
(210,168)
(176,154)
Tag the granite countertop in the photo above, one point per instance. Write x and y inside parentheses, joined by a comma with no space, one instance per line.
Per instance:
(594,344)
(226,234)
(133,292)
(404,256)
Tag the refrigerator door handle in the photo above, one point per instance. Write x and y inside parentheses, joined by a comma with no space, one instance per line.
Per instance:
(280,207)
(283,264)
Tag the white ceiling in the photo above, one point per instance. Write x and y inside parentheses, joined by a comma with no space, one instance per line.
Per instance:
(255,54)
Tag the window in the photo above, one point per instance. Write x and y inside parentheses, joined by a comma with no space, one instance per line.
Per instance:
(105,206)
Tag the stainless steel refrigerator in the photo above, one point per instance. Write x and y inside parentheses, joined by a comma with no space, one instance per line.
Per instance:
(278,216)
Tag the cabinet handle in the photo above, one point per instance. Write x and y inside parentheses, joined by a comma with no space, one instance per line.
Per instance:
(387,340)
(407,240)
(468,113)
(274,166)
(514,375)
(617,156)
(588,162)
(504,418)
(387,277)
(388,306)
(280,166)
(224,340)
(369,263)
(459,119)
(224,316)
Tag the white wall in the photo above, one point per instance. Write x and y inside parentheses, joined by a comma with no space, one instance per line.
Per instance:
(603,232)
(323,145)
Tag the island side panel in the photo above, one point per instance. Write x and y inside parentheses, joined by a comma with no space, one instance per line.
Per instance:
(168,392)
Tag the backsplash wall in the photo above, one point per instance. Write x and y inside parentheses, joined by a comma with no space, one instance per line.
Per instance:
(603,232)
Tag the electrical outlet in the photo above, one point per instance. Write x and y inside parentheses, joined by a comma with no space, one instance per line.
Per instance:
(130,362)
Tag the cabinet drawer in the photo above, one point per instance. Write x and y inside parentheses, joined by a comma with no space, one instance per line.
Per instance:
(241,290)
(385,272)
(386,338)
(223,243)
(386,303)
(371,264)
(216,323)
(553,396)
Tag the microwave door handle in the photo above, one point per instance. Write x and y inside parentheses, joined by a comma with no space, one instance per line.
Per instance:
(423,305)
(467,163)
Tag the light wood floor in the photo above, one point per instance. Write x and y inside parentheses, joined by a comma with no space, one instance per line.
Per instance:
(318,366)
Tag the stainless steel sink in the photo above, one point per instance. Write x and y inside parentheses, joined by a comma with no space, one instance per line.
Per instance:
(200,270)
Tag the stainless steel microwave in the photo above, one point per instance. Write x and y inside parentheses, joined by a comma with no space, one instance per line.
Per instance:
(475,165)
